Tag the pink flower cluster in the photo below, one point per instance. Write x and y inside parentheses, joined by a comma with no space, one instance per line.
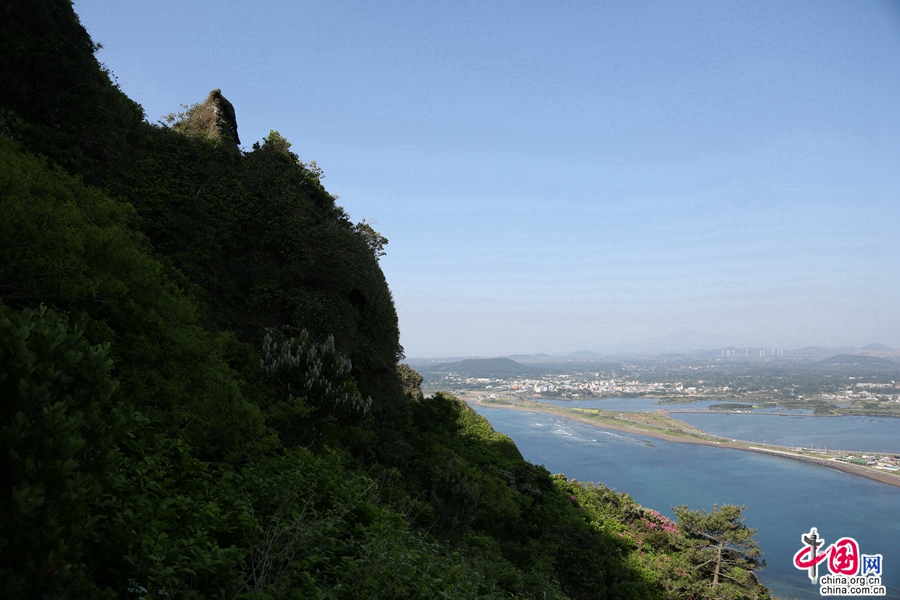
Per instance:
(664,523)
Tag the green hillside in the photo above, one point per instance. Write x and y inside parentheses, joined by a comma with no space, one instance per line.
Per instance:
(483,367)
(200,388)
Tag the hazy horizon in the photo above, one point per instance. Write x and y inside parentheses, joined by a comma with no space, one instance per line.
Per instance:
(588,353)
(589,175)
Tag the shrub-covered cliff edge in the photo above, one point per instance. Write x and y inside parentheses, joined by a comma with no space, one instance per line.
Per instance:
(200,394)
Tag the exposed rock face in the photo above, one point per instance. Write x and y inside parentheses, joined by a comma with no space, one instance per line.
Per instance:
(226,122)
(213,118)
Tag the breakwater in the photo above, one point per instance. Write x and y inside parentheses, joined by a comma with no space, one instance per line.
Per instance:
(714,441)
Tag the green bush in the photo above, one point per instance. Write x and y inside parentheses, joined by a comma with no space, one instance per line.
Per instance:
(311,387)
(72,247)
(58,428)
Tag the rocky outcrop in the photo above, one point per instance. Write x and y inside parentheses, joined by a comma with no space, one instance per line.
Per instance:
(213,118)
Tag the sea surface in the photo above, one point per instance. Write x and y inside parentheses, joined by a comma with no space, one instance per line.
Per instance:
(784,497)
(651,404)
(786,428)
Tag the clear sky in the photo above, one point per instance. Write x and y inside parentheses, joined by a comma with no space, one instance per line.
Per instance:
(562,176)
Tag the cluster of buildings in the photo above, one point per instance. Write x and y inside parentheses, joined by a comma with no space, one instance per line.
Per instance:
(874,392)
(580,385)
(886,463)
(586,384)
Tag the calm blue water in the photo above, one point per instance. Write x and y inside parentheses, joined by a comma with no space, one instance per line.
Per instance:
(845,433)
(650,404)
(876,434)
(784,497)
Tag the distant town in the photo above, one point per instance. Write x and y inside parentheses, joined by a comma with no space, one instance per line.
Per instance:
(858,383)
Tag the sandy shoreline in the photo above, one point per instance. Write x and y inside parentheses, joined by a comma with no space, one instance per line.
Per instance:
(745,446)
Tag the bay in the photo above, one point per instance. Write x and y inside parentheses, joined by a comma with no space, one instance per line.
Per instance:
(850,433)
(784,498)
(652,404)
(853,434)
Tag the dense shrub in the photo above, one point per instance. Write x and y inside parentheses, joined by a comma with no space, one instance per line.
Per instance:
(58,425)
(70,246)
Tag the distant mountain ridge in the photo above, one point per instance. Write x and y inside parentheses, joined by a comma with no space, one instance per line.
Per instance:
(482,367)
(858,359)
(878,347)
(805,352)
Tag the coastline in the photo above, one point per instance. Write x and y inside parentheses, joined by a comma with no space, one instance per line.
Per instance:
(743,446)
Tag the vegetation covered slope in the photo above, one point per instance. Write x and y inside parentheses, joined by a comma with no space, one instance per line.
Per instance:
(199,388)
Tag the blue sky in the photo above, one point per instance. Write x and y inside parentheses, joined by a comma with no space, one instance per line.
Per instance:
(556,177)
